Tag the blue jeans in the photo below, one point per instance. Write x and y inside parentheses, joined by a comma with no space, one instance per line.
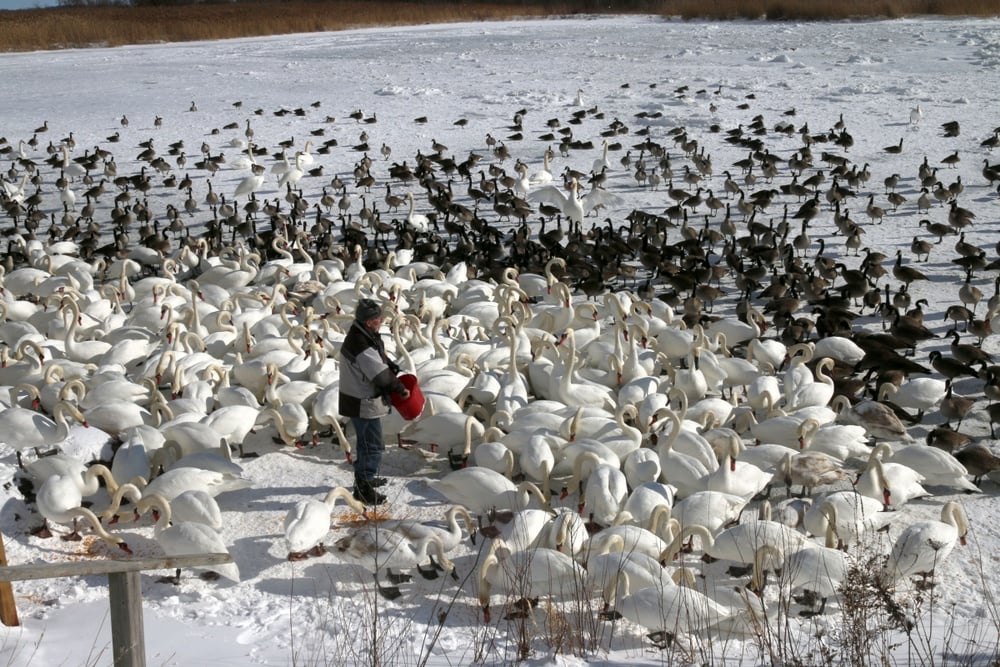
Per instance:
(370,446)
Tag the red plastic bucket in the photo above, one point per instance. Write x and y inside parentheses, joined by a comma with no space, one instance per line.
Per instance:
(409,408)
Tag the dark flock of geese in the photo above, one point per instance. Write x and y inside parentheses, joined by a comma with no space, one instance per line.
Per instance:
(611,385)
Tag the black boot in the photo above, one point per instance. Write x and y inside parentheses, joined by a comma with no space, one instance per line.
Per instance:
(365,492)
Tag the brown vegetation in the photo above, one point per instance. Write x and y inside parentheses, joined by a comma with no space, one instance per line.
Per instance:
(69,27)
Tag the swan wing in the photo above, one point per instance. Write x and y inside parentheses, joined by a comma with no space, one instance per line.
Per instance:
(549,194)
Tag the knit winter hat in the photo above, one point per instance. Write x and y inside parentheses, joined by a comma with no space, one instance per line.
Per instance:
(368,309)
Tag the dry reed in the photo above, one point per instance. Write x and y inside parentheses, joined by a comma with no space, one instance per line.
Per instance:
(74,27)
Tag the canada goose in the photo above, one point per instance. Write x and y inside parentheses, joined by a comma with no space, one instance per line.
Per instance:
(905,274)
(979,460)
(895,149)
(875,213)
(954,406)
(946,439)
(958,216)
(950,368)
(969,294)
(967,353)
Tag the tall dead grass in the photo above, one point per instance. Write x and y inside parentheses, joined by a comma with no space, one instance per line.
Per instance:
(57,28)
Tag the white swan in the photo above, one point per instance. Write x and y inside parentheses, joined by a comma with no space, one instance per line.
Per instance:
(641,466)
(841,441)
(482,490)
(173,482)
(380,550)
(187,538)
(855,514)
(418,222)
(526,529)
(604,570)
(537,459)
(308,522)
(921,394)
(892,483)
(603,488)
(685,472)
(710,509)
(22,428)
(938,467)
(450,534)
(736,477)
(58,500)
(923,545)
(840,348)
(668,610)
(447,430)
(818,392)
(526,574)
(644,500)
(739,543)
(61,494)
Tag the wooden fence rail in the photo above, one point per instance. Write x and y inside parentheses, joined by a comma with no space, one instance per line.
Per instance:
(124,591)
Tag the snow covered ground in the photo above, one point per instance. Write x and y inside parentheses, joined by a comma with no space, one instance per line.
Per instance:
(468,81)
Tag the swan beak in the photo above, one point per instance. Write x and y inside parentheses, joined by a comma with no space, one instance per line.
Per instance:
(124,547)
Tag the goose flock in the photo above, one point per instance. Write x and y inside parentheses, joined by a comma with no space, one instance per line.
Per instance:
(629,328)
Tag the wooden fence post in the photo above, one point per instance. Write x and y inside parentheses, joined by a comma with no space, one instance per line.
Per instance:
(8,609)
(127,639)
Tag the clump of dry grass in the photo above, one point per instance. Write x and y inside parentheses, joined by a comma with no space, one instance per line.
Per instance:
(826,10)
(70,27)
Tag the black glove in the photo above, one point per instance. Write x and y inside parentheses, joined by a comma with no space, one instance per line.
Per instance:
(394,367)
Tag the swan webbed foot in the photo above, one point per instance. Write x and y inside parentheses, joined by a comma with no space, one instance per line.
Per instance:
(609,615)
(297,555)
(175,580)
(397,578)
(429,574)
(661,639)
(489,532)
(388,592)
(247,455)
(209,576)
(318,550)
(739,570)
(521,608)
(42,531)
(72,537)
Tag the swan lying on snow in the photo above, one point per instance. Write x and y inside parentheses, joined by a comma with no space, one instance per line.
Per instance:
(379,550)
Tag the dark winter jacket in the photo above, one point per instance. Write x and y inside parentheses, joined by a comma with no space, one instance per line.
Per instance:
(367,376)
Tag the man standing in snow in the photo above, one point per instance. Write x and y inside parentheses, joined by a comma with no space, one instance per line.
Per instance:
(367,377)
